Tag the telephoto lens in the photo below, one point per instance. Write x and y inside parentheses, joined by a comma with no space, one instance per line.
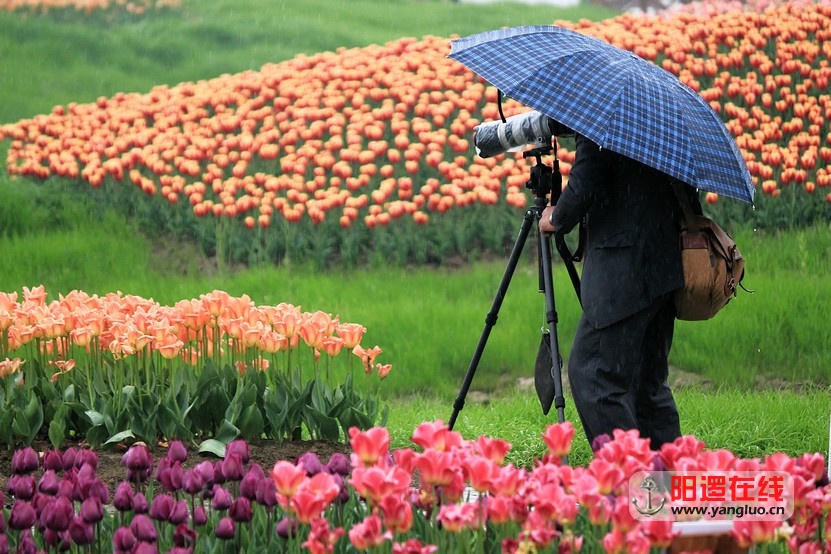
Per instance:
(518,131)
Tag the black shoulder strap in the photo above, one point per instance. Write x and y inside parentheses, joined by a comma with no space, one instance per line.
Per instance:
(684,201)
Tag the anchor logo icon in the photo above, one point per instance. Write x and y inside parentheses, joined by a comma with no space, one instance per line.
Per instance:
(649,485)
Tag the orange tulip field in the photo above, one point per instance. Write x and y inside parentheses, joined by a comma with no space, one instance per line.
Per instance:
(368,137)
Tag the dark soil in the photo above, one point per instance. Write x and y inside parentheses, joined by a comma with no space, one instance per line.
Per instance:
(265,453)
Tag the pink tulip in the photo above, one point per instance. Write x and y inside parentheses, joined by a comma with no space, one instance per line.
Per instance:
(558,437)
(369,447)
(368,533)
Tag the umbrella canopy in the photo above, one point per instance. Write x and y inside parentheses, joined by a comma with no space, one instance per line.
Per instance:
(614,98)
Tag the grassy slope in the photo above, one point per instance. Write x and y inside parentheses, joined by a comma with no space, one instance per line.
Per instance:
(49,61)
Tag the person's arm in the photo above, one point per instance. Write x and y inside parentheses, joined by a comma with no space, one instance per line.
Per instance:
(589,172)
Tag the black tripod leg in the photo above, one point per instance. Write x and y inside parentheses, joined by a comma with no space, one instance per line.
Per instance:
(552,319)
(493,314)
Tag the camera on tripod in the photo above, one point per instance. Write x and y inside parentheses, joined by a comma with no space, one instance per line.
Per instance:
(532,129)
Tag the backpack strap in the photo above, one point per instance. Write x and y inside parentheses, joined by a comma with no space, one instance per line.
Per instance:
(686,208)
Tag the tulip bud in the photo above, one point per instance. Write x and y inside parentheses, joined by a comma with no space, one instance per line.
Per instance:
(161,507)
(240,510)
(171,476)
(249,485)
(123,497)
(49,483)
(338,463)
(92,511)
(177,451)
(184,536)
(179,514)
(88,457)
(206,472)
(192,482)
(81,532)
(22,487)
(58,514)
(137,458)
(311,463)
(27,544)
(199,516)
(225,528)
(123,540)
(240,448)
(286,528)
(140,503)
(232,467)
(267,493)
(24,461)
(22,515)
(53,460)
(143,528)
(222,499)
(69,458)
(94,488)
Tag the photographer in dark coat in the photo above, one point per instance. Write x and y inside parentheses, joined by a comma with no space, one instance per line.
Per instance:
(618,366)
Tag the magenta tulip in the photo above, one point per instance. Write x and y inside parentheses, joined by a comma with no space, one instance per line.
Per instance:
(225,528)
(123,540)
(240,510)
(311,463)
(81,532)
(24,461)
(143,528)
(177,451)
(240,448)
(123,497)
(22,515)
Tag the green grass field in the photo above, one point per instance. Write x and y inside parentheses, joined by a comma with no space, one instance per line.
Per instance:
(427,320)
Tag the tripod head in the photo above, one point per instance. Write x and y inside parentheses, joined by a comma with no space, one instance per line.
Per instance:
(542,181)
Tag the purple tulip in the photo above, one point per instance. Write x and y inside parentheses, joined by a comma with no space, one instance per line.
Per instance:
(4,544)
(267,493)
(88,457)
(94,488)
(286,528)
(58,514)
(123,540)
(240,510)
(26,545)
(177,451)
(69,457)
(184,536)
(137,458)
(53,460)
(81,532)
(22,515)
(49,483)
(161,507)
(171,477)
(24,461)
(22,487)
(205,470)
(140,505)
(232,467)
(225,528)
(123,497)
(199,516)
(179,514)
(92,511)
(2,521)
(343,490)
(219,475)
(222,499)
(145,548)
(338,463)
(143,528)
(240,448)
(192,482)
(311,463)
(250,484)
(58,540)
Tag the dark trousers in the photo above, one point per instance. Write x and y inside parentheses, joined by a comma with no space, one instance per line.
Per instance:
(618,375)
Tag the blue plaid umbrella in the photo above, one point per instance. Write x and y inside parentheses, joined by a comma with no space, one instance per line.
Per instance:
(614,98)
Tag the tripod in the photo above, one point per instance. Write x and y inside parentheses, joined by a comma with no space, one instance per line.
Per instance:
(549,387)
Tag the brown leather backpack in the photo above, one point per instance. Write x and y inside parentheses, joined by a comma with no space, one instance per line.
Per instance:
(713,266)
